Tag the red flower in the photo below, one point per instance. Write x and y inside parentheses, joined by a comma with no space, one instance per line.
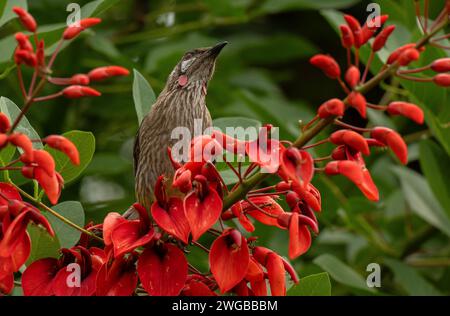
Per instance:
(333,107)
(381,38)
(75,92)
(66,146)
(270,209)
(129,235)
(352,76)
(196,285)
(26,19)
(202,207)
(24,142)
(393,140)
(79,79)
(169,213)
(352,139)
(346,36)
(229,258)
(393,57)
(163,270)
(23,41)
(102,73)
(358,101)
(117,277)
(49,276)
(408,56)
(406,109)
(356,29)
(327,64)
(5,124)
(441,65)
(73,30)
(442,80)
(297,165)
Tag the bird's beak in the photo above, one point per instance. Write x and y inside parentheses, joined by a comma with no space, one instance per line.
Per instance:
(215,50)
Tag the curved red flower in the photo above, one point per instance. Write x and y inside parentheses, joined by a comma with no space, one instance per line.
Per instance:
(162,270)
(229,259)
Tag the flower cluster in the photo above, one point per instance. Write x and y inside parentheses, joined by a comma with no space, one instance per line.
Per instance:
(149,255)
(37,164)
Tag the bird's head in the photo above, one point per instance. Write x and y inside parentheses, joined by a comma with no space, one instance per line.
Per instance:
(195,67)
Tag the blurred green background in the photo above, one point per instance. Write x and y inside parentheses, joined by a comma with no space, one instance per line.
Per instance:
(262,74)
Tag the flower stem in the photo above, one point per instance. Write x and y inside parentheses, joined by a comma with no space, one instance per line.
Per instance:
(56,214)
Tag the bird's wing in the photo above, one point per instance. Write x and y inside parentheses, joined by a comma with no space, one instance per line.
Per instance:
(136,151)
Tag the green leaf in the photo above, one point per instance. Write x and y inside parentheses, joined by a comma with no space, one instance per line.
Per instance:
(12,111)
(6,12)
(434,162)
(143,95)
(342,273)
(420,199)
(313,285)
(67,235)
(42,244)
(410,280)
(85,142)
(273,6)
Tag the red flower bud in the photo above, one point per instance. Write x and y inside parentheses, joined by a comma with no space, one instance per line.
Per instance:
(368,31)
(441,65)
(73,30)
(45,161)
(25,57)
(4,123)
(66,146)
(327,64)
(331,107)
(442,80)
(23,41)
(40,53)
(26,19)
(358,101)
(352,76)
(102,73)
(408,56)
(352,139)
(75,92)
(79,79)
(393,57)
(346,36)
(356,29)
(22,141)
(393,140)
(50,184)
(406,109)
(381,38)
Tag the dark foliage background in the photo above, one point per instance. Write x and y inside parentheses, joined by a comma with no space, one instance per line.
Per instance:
(262,74)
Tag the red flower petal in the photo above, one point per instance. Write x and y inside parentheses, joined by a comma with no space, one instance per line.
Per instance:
(392,139)
(9,191)
(111,221)
(229,261)
(163,271)
(276,274)
(172,219)
(202,213)
(269,205)
(127,236)
(37,280)
(119,279)
(299,237)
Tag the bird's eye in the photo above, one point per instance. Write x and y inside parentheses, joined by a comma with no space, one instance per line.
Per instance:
(186,63)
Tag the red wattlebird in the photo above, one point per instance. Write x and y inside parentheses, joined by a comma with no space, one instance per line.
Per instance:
(182,101)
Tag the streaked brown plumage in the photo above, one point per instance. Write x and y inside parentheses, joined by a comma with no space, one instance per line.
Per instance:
(178,105)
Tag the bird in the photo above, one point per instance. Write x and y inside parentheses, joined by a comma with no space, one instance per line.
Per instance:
(180,103)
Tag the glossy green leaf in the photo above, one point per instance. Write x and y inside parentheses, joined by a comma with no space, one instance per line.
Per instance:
(313,285)
(42,244)
(85,142)
(434,162)
(12,111)
(421,200)
(143,95)
(342,273)
(410,279)
(6,12)
(73,211)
